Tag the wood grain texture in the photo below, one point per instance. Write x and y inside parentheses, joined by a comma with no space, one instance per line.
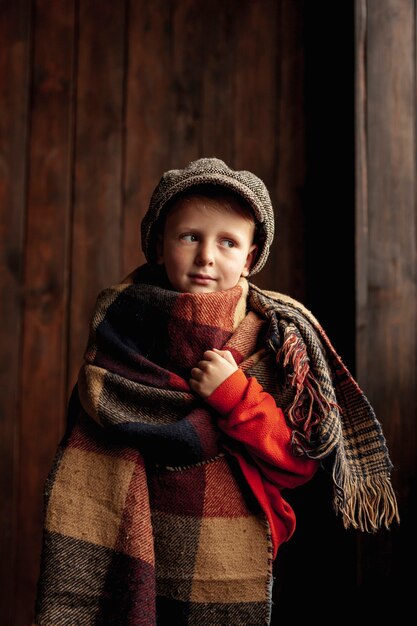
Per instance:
(289,178)
(391,276)
(45,294)
(148,116)
(97,212)
(256,102)
(98,99)
(15,20)
(387,280)
(187,48)
(220,64)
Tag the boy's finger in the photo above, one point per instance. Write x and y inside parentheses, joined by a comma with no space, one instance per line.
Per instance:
(226,354)
(196,373)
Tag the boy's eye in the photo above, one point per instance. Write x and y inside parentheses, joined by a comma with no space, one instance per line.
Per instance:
(189,237)
(228,243)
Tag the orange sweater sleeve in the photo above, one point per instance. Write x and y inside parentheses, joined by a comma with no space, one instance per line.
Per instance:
(250,416)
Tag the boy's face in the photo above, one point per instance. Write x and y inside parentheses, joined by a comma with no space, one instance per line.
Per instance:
(206,246)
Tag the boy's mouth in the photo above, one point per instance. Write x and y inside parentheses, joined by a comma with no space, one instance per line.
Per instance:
(201,279)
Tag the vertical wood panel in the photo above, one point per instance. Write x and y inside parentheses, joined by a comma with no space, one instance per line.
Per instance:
(290,155)
(255,104)
(121,92)
(46,279)
(96,252)
(187,60)
(221,23)
(387,283)
(14,75)
(361,190)
(148,119)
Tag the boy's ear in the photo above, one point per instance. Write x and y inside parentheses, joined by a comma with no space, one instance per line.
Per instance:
(159,249)
(253,251)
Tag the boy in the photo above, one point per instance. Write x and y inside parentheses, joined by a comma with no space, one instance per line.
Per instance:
(200,399)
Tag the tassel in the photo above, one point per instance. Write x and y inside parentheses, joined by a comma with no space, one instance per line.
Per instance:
(309,406)
(366,505)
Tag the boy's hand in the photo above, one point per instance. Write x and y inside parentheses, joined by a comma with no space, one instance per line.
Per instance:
(216,366)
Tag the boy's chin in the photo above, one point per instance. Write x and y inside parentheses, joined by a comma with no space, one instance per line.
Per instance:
(200,289)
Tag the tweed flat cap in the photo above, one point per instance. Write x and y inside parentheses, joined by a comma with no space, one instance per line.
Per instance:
(216,172)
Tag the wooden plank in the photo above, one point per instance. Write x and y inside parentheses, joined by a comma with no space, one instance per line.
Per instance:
(43,390)
(391,233)
(361,189)
(219,62)
(187,51)
(96,242)
(288,273)
(148,120)
(387,336)
(14,90)
(255,107)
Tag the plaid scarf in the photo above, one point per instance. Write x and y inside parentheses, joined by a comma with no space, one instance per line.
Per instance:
(146,519)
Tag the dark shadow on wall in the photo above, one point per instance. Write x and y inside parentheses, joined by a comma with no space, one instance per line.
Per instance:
(330,175)
(316,569)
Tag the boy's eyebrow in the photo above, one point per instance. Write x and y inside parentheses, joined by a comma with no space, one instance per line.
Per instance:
(226,234)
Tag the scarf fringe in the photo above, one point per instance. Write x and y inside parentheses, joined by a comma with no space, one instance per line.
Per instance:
(363,493)
(367,504)
(309,406)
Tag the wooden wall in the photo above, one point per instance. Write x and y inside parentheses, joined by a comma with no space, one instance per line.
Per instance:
(386,263)
(98,99)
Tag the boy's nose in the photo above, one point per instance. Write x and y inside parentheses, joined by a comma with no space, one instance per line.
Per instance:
(205,255)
